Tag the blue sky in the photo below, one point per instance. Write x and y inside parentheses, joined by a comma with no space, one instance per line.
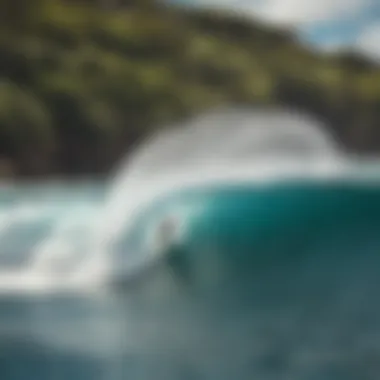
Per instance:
(328,24)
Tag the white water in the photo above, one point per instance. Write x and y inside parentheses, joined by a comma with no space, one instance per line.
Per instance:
(77,232)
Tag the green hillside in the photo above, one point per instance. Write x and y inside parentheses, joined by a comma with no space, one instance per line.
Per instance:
(81,82)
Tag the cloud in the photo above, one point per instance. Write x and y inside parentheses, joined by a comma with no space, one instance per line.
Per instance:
(299,12)
(368,42)
(293,12)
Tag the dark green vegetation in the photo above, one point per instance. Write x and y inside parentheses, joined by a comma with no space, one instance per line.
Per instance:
(81,82)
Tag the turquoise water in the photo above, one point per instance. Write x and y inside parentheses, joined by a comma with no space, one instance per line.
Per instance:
(270,281)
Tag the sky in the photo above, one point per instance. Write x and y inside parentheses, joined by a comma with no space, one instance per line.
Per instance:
(327,24)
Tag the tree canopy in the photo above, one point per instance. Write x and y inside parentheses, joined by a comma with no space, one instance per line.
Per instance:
(82,81)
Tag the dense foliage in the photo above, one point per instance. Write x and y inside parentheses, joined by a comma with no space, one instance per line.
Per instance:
(80,82)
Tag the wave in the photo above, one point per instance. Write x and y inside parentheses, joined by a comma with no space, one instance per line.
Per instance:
(67,237)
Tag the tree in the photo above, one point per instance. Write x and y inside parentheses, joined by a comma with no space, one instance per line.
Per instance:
(25,129)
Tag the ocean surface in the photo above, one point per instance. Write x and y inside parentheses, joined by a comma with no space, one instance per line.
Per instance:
(272,271)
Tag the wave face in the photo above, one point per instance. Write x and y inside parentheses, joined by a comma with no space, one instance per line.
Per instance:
(227,175)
